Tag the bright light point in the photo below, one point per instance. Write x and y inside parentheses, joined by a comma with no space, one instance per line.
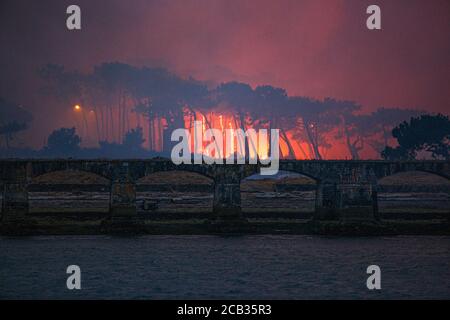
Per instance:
(77,107)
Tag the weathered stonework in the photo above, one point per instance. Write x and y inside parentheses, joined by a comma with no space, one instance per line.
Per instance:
(15,202)
(227,200)
(123,199)
(356,201)
(326,201)
(346,190)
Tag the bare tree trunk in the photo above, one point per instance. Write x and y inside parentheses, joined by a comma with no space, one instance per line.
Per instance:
(161,133)
(150,132)
(102,121)
(313,142)
(138,120)
(155,133)
(245,143)
(97,126)
(249,141)
(352,146)
(125,116)
(290,148)
(125,126)
(385,136)
(85,123)
(111,123)
(119,118)
(207,124)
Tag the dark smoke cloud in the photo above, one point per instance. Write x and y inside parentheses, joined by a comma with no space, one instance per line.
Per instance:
(310,48)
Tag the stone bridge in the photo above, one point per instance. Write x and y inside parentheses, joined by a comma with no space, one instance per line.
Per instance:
(345,189)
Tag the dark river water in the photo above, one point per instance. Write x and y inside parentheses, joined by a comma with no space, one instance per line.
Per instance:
(238,267)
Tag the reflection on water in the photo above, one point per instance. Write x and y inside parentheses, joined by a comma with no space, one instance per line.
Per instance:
(247,267)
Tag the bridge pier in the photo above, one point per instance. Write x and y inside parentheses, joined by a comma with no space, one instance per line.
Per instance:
(346,202)
(326,202)
(357,202)
(123,199)
(346,190)
(123,212)
(227,201)
(15,202)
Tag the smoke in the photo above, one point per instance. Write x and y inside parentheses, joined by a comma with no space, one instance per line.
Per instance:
(310,48)
(117,97)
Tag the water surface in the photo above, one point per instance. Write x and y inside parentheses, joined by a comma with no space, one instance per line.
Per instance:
(238,267)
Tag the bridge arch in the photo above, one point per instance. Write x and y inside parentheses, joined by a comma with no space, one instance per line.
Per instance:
(288,194)
(418,194)
(409,177)
(439,168)
(249,170)
(175,194)
(310,170)
(69,176)
(40,168)
(168,166)
(68,192)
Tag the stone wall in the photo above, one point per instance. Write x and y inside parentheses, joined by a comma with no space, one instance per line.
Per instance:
(345,189)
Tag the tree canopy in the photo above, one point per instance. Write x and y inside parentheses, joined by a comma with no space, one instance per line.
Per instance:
(63,141)
(13,119)
(427,133)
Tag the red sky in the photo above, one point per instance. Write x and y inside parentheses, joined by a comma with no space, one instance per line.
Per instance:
(315,48)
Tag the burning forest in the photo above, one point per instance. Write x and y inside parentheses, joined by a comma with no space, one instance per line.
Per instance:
(116,100)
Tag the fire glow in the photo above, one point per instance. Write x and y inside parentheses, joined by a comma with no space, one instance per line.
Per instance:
(224,122)
(104,126)
(209,146)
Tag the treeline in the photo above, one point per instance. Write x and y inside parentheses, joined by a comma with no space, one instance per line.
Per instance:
(116,102)
(122,96)
(422,136)
(13,119)
(66,143)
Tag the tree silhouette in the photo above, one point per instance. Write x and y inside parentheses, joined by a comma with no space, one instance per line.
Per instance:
(133,139)
(382,121)
(316,119)
(63,141)
(429,133)
(163,101)
(13,119)
(8,130)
